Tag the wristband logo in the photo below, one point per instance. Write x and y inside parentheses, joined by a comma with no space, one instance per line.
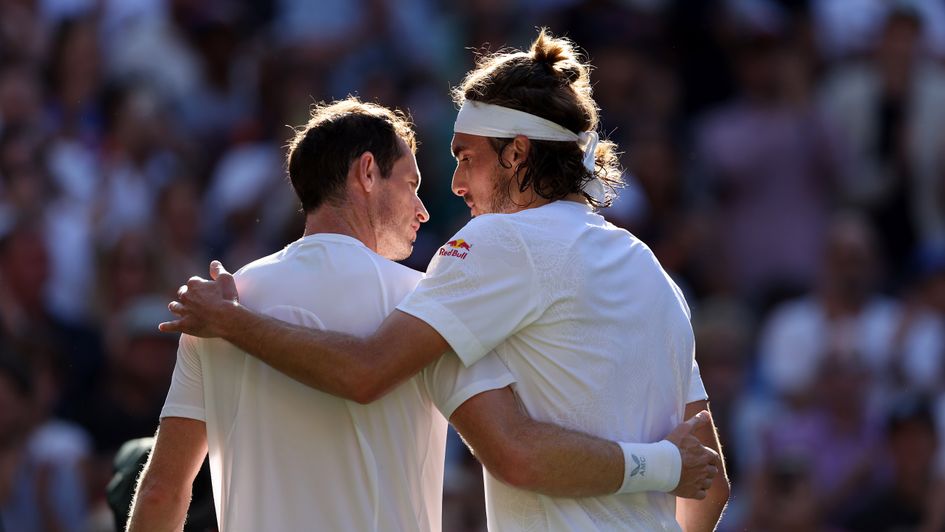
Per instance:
(640,468)
(458,248)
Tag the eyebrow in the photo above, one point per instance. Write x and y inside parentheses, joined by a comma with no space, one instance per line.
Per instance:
(456,150)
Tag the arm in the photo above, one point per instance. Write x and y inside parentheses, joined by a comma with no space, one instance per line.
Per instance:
(555,461)
(360,369)
(163,494)
(536,456)
(704,515)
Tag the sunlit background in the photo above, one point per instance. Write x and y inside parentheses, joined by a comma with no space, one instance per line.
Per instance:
(785,159)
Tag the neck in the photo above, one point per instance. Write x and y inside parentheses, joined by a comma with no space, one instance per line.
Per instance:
(344,220)
(536,201)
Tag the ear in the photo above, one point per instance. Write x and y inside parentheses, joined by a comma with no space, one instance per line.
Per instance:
(366,172)
(518,149)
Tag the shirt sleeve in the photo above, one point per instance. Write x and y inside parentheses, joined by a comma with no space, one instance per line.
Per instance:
(450,383)
(185,397)
(696,387)
(480,288)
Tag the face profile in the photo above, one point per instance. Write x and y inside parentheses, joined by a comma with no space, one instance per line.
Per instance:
(398,211)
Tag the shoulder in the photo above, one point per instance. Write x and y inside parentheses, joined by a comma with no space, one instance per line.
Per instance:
(488,226)
(486,234)
(257,268)
(389,270)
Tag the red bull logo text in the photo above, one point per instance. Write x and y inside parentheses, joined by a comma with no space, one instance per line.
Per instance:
(458,248)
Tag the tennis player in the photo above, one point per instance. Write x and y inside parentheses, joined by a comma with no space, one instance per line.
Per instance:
(288,457)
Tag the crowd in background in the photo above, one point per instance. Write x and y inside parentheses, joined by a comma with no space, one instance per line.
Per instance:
(785,160)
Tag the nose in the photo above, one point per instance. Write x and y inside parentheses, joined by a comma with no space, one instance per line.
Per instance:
(422,213)
(459,185)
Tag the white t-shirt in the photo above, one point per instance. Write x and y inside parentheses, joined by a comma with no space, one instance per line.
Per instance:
(284,456)
(595,332)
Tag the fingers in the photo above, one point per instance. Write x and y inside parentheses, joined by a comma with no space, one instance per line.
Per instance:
(225,279)
(177,308)
(227,285)
(171,326)
(702,419)
(713,456)
(217,269)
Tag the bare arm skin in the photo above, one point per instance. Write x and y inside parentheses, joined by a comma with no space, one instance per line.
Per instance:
(559,462)
(535,456)
(704,515)
(359,369)
(163,494)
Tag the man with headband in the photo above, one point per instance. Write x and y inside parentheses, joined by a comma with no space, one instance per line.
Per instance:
(593,329)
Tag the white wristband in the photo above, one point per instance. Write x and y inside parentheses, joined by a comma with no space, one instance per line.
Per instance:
(650,467)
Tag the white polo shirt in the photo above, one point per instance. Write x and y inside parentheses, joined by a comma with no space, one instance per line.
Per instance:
(284,456)
(595,332)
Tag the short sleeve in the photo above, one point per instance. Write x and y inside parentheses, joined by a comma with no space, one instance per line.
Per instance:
(696,387)
(451,384)
(480,288)
(185,396)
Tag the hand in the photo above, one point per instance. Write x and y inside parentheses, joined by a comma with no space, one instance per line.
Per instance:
(699,463)
(203,305)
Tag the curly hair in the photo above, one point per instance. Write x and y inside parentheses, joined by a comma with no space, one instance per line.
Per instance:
(552,81)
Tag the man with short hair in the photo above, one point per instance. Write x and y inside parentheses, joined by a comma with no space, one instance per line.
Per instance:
(287,457)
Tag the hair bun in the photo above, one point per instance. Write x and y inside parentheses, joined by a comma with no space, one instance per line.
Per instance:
(557,55)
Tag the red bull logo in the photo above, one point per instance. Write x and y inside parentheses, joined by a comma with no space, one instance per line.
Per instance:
(458,248)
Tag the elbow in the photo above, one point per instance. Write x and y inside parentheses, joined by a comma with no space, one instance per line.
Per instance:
(159,496)
(363,386)
(725,490)
(364,393)
(720,493)
(512,465)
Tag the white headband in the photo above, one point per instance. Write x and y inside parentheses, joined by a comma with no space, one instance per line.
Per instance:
(487,120)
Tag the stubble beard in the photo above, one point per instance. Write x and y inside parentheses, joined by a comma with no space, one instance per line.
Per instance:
(501,200)
(390,243)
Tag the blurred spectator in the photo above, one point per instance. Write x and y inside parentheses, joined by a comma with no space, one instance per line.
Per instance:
(722,329)
(16,386)
(128,396)
(21,31)
(49,483)
(178,232)
(20,92)
(129,269)
(901,502)
(831,445)
(889,110)
(24,316)
(845,317)
(74,75)
(769,164)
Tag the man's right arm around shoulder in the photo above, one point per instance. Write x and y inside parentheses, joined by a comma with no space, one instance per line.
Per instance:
(355,368)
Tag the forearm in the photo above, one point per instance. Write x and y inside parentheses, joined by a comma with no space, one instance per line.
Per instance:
(163,493)
(155,510)
(333,362)
(565,463)
(535,456)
